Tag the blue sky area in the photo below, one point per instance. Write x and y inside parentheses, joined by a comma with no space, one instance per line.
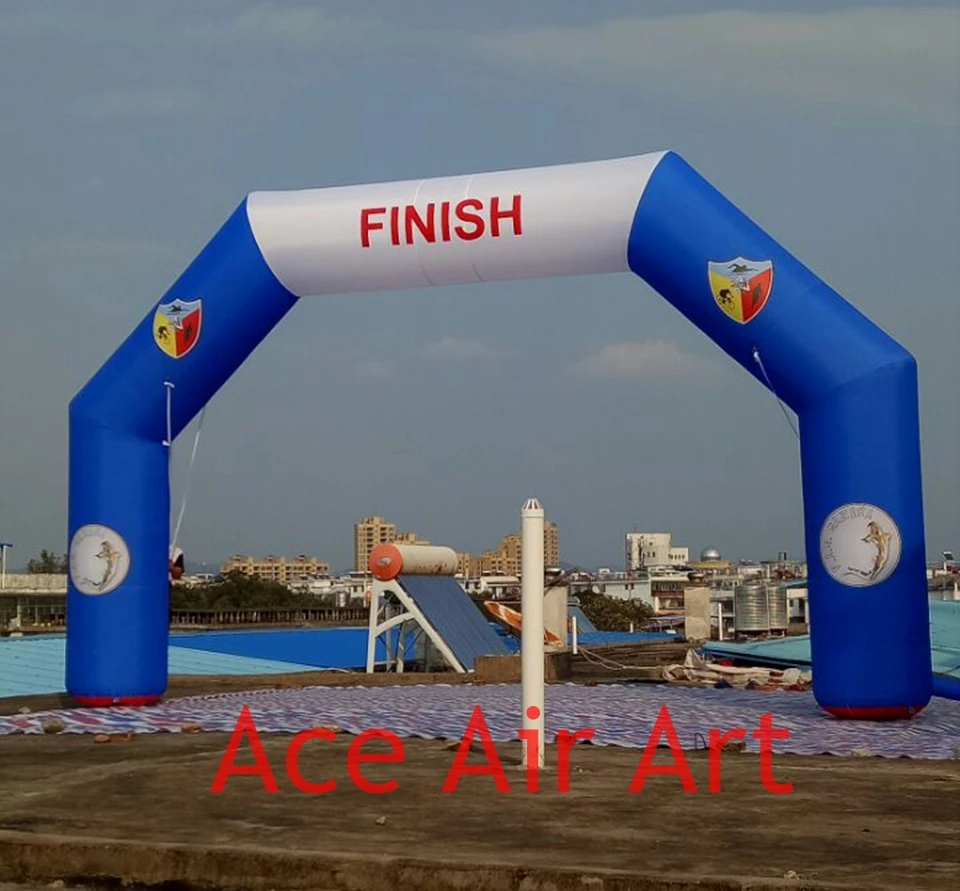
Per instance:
(129,131)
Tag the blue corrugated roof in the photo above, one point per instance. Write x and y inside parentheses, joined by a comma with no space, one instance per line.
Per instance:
(605,638)
(30,665)
(198,662)
(945,637)
(311,647)
(944,640)
(584,625)
(786,651)
(591,638)
(456,618)
(34,665)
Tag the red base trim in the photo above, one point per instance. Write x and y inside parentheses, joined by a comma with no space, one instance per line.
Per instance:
(885,713)
(108,701)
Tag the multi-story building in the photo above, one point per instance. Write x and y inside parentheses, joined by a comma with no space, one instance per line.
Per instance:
(507,559)
(367,534)
(646,549)
(488,563)
(344,590)
(410,538)
(284,570)
(512,552)
(551,545)
(493,587)
(661,594)
(617,585)
(373,531)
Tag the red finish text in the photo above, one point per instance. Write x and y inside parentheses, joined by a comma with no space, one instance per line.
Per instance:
(465,220)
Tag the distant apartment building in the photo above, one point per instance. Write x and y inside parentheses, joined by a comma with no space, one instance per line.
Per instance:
(512,552)
(662,595)
(373,531)
(367,534)
(507,559)
(284,570)
(551,545)
(647,549)
(410,538)
(496,587)
(488,563)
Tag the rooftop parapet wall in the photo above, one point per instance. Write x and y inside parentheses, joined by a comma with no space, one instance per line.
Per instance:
(35,583)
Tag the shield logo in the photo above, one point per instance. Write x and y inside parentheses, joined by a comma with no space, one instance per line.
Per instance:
(741,287)
(176,326)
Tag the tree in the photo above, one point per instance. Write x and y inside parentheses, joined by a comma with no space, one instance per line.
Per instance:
(47,563)
(611,614)
(237,590)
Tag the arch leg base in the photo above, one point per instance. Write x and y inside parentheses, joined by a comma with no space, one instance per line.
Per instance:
(112,701)
(884,713)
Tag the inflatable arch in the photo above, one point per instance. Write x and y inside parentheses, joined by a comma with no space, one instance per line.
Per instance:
(853,388)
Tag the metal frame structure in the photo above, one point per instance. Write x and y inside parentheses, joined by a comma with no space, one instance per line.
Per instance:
(398,618)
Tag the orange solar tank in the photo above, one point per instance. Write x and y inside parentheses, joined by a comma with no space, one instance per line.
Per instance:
(387,561)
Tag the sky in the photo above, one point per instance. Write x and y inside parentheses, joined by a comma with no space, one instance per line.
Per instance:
(130,130)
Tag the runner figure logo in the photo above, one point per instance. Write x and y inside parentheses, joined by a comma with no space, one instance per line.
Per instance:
(99,559)
(741,287)
(860,545)
(176,326)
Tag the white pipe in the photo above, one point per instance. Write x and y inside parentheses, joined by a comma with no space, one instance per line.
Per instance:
(168,442)
(4,546)
(372,627)
(531,605)
(574,635)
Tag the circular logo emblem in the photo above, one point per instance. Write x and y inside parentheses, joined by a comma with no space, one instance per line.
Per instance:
(860,545)
(99,559)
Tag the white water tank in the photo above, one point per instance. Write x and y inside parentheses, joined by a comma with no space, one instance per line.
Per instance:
(750,611)
(387,561)
(777,613)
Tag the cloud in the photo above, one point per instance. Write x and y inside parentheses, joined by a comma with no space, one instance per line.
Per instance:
(77,248)
(134,103)
(889,59)
(454,349)
(314,27)
(645,360)
(899,61)
(292,23)
(373,368)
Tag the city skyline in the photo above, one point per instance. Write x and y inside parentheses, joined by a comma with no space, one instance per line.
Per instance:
(447,408)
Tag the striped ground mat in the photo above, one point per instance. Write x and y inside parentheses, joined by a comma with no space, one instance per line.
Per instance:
(620,714)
